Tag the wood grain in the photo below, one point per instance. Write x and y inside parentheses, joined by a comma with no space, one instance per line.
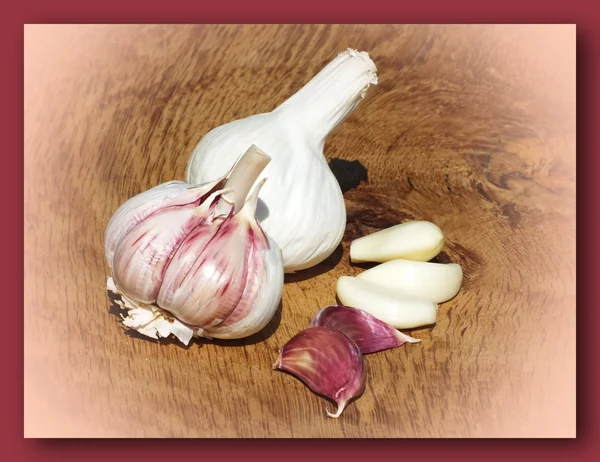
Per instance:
(471,127)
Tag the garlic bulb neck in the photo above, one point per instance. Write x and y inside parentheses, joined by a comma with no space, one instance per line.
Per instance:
(326,100)
(242,177)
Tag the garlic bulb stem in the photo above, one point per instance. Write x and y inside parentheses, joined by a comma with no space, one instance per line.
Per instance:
(249,208)
(330,96)
(243,175)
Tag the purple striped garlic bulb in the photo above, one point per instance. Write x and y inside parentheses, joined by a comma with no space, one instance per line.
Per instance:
(192,260)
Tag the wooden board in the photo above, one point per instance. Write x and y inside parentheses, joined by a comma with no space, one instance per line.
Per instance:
(471,127)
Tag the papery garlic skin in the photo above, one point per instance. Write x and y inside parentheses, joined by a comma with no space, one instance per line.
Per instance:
(196,261)
(368,332)
(144,253)
(413,240)
(136,209)
(328,362)
(232,292)
(396,309)
(438,282)
(263,307)
(301,207)
(149,320)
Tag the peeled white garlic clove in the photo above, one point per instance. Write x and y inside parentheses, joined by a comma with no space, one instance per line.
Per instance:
(431,281)
(413,240)
(301,207)
(197,262)
(399,311)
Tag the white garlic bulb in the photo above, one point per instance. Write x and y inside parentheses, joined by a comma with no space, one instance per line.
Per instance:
(193,260)
(301,207)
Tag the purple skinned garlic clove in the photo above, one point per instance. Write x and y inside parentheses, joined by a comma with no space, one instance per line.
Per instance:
(328,362)
(369,333)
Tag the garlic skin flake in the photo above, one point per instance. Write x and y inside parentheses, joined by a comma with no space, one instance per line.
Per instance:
(328,362)
(301,207)
(369,333)
(149,320)
(413,240)
(196,261)
(390,306)
(437,282)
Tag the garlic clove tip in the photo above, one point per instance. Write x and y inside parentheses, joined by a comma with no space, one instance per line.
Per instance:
(340,408)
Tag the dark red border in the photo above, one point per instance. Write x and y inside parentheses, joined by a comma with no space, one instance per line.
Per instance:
(15,448)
